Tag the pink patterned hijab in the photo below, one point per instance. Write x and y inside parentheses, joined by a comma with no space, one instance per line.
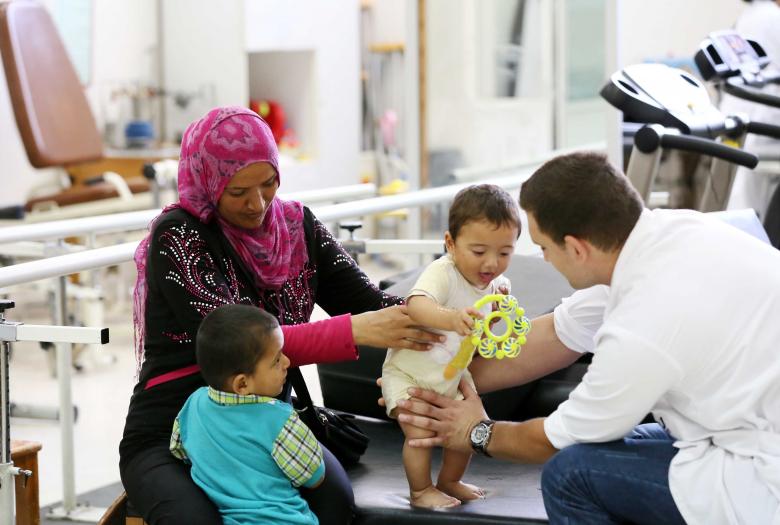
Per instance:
(213,149)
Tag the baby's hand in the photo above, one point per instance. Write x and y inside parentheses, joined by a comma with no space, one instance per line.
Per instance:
(462,321)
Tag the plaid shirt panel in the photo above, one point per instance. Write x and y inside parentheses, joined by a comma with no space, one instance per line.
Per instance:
(176,447)
(297,451)
(229,398)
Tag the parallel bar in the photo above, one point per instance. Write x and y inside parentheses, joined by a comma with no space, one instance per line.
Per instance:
(339,193)
(137,220)
(66,264)
(411,246)
(75,227)
(73,263)
(417,198)
(478,172)
(62,334)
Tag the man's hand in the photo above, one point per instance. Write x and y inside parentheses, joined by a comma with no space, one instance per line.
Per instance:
(451,420)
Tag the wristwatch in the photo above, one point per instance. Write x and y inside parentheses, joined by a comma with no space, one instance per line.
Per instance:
(480,436)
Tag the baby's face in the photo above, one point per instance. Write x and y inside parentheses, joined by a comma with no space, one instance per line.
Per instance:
(482,250)
(271,370)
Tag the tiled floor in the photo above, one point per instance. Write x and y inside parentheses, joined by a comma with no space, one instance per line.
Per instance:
(100,391)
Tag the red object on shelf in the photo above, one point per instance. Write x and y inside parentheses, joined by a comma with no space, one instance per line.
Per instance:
(273,114)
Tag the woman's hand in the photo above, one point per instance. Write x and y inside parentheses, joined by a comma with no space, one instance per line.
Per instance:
(391,327)
(451,420)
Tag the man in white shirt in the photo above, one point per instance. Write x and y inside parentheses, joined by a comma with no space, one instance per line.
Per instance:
(687,330)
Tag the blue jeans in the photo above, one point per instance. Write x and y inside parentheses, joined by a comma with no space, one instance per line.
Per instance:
(624,481)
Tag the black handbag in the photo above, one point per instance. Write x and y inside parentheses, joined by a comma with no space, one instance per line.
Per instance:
(335,430)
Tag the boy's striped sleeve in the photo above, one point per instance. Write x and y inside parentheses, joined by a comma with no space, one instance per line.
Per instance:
(298,453)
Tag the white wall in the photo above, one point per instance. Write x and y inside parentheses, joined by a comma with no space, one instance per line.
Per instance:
(203,50)
(671,28)
(486,131)
(329,31)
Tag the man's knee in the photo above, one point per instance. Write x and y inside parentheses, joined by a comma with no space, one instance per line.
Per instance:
(557,472)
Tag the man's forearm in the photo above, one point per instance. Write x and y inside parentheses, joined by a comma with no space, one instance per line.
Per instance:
(523,442)
(543,354)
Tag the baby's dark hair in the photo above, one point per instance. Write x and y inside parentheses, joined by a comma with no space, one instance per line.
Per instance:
(483,202)
(231,340)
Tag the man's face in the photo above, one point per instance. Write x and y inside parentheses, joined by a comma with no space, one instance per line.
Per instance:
(563,257)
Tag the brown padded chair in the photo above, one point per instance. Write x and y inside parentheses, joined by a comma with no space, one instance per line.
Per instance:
(51,110)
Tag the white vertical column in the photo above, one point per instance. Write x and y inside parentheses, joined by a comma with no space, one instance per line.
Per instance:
(612,62)
(412,151)
(64,361)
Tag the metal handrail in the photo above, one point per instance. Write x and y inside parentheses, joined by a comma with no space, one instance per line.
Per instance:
(138,220)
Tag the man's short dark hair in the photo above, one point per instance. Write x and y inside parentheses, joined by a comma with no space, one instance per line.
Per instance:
(483,202)
(583,195)
(231,340)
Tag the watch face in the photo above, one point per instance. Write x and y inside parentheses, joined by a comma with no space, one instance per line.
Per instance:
(479,433)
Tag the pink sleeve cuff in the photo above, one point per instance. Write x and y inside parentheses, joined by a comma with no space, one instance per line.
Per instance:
(326,341)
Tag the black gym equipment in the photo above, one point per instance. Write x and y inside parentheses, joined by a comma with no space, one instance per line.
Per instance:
(679,115)
(739,67)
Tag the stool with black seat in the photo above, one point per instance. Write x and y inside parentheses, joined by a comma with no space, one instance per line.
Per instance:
(513,490)
(121,512)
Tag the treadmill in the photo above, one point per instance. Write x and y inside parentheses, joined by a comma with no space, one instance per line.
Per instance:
(678,115)
(739,67)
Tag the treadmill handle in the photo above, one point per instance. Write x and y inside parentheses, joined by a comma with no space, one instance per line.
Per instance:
(651,137)
(762,128)
(750,93)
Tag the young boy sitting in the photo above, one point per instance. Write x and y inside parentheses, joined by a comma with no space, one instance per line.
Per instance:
(484,224)
(249,452)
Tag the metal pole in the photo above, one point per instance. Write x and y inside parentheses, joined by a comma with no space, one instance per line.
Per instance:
(6,475)
(642,170)
(411,98)
(64,358)
(720,180)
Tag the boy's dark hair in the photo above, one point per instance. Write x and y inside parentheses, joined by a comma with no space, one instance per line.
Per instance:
(583,195)
(230,341)
(483,202)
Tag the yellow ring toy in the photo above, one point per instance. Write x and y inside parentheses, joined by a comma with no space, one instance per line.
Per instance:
(487,343)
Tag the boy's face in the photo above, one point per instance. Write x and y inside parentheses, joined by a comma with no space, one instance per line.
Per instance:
(482,250)
(270,372)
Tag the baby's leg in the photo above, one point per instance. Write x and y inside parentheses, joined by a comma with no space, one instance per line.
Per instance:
(417,464)
(453,466)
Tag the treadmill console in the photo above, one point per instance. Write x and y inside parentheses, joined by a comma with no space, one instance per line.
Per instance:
(659,94)
(726,54)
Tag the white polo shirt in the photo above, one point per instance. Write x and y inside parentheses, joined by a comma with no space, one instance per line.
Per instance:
(690,332)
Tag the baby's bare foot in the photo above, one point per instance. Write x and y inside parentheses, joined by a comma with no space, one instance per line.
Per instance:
(460,490)
(432,498)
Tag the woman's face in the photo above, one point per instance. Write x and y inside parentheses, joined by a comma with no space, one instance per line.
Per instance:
(248,194)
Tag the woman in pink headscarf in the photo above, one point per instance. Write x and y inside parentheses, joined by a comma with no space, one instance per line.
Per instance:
(230,240)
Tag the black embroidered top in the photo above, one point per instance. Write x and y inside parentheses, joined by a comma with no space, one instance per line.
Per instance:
(191,270)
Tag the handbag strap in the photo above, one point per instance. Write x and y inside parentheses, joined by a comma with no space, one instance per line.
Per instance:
(299,384)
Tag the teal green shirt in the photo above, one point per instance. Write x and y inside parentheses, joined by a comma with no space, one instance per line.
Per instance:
(249,454)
